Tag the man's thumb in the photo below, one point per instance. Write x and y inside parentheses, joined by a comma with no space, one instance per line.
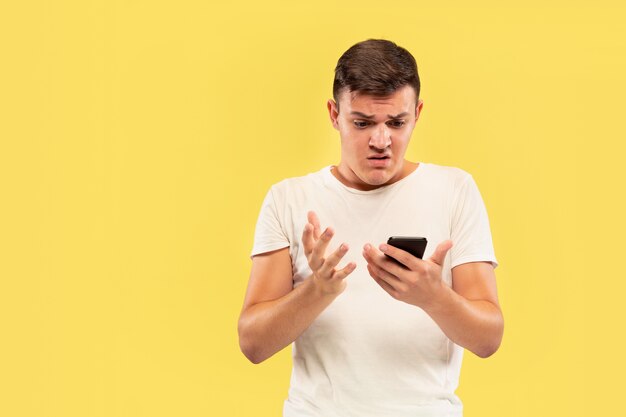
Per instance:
(440,253)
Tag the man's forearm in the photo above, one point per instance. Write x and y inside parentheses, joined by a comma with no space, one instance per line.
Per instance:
(476,325)
(267,327)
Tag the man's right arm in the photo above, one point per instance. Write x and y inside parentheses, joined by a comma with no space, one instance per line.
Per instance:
(274,313)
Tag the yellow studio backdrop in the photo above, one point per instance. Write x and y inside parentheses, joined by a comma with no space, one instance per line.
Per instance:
(138,138)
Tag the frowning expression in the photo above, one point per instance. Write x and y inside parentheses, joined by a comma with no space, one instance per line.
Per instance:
(375,132)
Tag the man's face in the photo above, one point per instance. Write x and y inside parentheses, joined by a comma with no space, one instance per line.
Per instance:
(375,133)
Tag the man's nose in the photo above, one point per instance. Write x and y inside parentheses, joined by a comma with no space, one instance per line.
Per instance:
(381,137)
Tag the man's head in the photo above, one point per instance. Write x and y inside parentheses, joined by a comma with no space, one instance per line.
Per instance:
(376,106)
(375,67)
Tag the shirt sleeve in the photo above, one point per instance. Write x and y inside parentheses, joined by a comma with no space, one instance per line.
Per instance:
(470,230)
(269,234)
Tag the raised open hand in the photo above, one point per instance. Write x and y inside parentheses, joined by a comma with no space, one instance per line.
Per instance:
(326,276)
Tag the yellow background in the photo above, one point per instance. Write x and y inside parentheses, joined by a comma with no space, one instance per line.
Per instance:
(138,138)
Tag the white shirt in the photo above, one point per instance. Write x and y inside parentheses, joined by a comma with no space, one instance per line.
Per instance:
(368,354)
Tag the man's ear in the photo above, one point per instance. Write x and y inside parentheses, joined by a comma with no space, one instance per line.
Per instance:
(333,113)
(418,109)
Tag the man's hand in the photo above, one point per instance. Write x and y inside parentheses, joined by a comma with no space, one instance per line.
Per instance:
(415,281)
(327,278)
(468,313)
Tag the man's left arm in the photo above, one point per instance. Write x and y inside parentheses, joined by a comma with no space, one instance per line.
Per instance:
(468,312)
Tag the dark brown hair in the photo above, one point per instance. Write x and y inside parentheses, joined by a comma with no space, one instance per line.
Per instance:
(375,67)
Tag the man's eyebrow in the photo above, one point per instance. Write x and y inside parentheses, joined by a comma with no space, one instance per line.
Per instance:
(365,116)
(362,115)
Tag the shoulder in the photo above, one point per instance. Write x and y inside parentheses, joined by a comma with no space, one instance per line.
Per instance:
(299,184)
(446,175)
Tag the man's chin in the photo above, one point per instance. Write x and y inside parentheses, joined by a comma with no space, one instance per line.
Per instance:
(378,178)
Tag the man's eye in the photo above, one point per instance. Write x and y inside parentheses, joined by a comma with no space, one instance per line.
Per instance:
(396,123)
(361,124)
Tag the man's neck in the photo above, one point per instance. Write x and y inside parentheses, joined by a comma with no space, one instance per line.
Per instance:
(407,168)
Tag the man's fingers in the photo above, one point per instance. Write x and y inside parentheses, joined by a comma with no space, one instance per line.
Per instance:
(440,253)
(307,239)
(373,256)
(345,271)
(333,259)
(319,250)
(390,290)
(390,279)
(315,221)
(399,255)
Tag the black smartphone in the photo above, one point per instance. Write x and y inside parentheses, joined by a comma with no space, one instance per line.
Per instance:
(414,245)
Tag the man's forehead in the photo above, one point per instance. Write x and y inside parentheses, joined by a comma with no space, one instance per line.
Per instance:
(373,116)
(402,99)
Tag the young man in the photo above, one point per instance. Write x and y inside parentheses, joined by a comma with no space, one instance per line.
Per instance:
(373,337)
